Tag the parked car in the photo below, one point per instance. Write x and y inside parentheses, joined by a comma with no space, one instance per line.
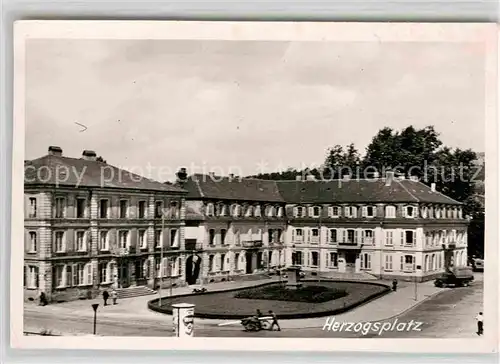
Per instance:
(477,265)
(457,277)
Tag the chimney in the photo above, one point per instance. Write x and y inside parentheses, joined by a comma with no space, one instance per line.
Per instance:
(89,155)
(181,175)
(433,187)
(389,177)
(310,177)
(298,178)
(54,150)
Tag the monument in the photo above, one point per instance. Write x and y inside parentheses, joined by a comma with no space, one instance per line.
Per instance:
(293,280)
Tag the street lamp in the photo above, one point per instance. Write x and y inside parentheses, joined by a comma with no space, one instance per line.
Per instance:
(94,306)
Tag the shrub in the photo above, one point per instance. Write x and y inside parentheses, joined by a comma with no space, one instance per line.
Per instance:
(310,294)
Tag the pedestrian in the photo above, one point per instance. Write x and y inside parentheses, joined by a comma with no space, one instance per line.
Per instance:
(275,321)
(479,319)
(394,285)
(114,296)
(105,296)
(258,315)
(43,299)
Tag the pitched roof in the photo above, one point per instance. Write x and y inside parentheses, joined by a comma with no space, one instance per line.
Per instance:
(335,191)
(65,171)
(360,191)
(225,188)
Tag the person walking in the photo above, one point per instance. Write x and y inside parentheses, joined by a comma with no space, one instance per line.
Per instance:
(105,296)
(479,319)
(275,321)
(114,296)
(394,285)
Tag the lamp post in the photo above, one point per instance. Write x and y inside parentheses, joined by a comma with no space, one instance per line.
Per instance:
(94,306)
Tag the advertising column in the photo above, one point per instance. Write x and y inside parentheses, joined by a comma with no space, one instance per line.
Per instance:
(183,316)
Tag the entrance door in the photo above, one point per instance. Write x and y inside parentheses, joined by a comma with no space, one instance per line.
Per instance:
(249,256)
(350,262)
(123,275)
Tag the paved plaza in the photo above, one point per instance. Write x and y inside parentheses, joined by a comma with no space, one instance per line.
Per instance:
(444,313)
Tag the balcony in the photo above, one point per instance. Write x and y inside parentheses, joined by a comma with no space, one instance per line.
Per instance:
(252,243)
(349,244)
(121,252)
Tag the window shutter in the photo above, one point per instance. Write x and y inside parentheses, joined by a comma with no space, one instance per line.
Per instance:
(414,238)
(346,211)
(89,273)
(75,275)
(402,237)
(25,279)
(364,211)
(369,260)
(402,262)
(309,235)
(344,235)
(362,260)
(37,277)
(356,236)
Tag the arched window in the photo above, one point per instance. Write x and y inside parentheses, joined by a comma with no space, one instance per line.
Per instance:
(390,212)
(257,211)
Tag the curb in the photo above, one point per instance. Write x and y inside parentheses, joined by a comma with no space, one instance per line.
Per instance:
(152,305)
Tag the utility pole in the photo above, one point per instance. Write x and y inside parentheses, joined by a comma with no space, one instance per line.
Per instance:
(161,252)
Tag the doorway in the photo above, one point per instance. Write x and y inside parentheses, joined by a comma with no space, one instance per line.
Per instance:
(123,275)
(350,262)
(249,258)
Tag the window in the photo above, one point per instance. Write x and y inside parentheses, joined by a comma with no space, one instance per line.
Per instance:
(316,211)
(223,234)
(211,263)
(158,238)
(235,210)
(31,277)
(366,262)
(80,241)
(334,260)
(368,211)
(249,212)
(123,209)
(314,259)
(60,204)
(424,212)
(158,209)
(59,241)
(142,239)
(368,237)
(410,211)
(335,211)
(278,238)
(103,241)
(32,207)
(280,211)
(270,235)
(223,210)
(257,211)
(333,235)
(410,238)
(350,211)
(80,208)
(298,258)
(59,276)
(390,212)
(211,236)
(222,262)
(388,262)
(32,242)
(270,211)
(315,235)
(104,272)
(123,239)
(142,209)
(103,209)
(298,235)
(174,211)
(299,211)
(408,263)
(173,238)
(389,238)
(78,275)
(165,265)
(351,236)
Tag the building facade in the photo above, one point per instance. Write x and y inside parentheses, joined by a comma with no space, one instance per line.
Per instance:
(91,227)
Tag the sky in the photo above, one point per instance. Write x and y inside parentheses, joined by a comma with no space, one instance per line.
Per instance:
(152,106)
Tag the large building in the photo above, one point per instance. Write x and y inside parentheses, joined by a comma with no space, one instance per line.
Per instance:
(389,227)
(90,226)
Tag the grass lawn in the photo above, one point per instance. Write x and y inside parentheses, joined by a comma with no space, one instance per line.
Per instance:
(308,293)
(224,305)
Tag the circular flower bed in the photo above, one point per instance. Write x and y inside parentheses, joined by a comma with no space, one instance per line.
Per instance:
(225,304)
